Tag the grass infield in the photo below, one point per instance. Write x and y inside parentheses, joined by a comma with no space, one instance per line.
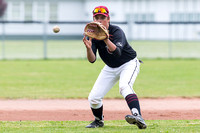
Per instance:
(119,126)
(42,79)
(57,49)
(58,79)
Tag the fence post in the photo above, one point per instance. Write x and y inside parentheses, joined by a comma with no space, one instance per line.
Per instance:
(45,39)
(170,41)
(3,40)
(130,23)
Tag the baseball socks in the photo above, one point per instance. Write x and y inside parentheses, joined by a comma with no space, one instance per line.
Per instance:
(133,103)
(98,122)
(135,118)
(98,113)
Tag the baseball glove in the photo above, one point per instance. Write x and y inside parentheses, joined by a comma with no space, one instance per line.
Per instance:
(96,30)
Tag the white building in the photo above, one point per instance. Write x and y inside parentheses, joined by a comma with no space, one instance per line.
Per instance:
(73,15)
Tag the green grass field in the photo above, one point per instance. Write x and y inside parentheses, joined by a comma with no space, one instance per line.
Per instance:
(67,78)
(34,49)
(154,126)
(42,79)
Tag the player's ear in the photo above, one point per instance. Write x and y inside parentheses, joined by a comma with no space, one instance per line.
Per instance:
(94,18)
(108,18)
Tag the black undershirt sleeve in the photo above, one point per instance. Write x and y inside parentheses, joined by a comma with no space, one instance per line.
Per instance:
(117,52)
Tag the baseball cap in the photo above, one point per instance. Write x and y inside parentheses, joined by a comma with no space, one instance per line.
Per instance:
(103,10)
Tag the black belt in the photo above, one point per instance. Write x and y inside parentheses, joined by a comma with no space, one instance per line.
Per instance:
(141,61)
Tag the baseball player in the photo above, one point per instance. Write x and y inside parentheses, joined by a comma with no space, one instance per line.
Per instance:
(121,64)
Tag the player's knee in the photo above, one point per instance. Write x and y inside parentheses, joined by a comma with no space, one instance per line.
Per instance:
(125,90)
(123,87)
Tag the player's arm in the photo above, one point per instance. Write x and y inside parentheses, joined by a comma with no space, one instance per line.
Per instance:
(116,51)
(118,43)
(90,54)
(110,45)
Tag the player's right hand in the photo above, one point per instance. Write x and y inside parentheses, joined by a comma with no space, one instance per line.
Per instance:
(88,43)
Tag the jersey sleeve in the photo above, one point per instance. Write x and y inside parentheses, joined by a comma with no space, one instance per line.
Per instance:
(119,38)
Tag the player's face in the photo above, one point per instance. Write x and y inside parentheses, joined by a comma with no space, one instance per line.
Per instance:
(102,19)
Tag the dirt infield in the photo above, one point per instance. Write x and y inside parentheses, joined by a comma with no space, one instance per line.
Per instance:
(114,109)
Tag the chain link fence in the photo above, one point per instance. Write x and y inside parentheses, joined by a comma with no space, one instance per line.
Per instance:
(149,39)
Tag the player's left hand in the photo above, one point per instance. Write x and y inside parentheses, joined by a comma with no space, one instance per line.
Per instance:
(96,30)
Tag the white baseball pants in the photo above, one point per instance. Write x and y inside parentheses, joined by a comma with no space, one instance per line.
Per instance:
(126,74)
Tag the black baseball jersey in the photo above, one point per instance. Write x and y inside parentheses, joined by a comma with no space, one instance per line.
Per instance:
(117,37)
